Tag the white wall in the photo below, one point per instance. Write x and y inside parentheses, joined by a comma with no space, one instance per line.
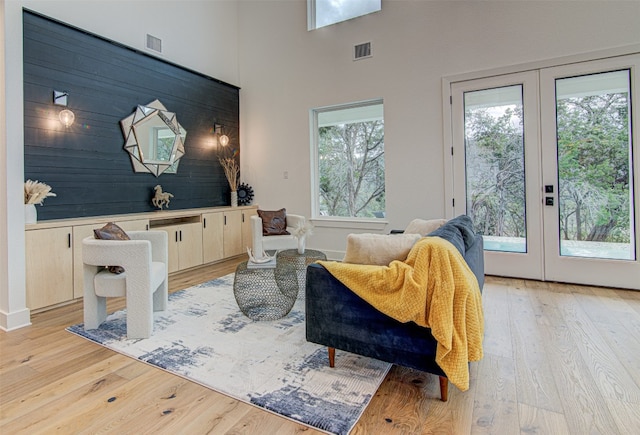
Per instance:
(263,47)
(286,70)
(200,35)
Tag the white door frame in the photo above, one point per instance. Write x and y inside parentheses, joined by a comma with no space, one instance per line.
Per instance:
(451,188)
(581,270)
(522,265)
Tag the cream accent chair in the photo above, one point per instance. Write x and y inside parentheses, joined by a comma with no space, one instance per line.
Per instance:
(269,243)
(144,281)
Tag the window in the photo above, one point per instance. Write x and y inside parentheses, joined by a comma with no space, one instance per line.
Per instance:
(323,13)
(349,160)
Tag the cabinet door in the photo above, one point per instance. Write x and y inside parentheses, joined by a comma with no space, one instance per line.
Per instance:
(134,225)
(173,236)
(49,267)
(212,237)
(190,245)
(246,227)
(82,231)
(232,233)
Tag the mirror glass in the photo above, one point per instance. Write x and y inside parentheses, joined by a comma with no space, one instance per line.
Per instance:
(154,139)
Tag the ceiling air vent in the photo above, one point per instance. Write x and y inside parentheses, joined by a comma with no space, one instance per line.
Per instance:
(362,51)
(154,43)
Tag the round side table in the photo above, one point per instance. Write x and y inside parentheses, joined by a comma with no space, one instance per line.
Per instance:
(300,262)
(265,294)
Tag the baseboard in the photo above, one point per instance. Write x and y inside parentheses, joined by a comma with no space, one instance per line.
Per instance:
(333,255)
(15,320)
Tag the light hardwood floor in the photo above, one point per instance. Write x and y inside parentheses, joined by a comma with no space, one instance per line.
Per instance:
(559,359)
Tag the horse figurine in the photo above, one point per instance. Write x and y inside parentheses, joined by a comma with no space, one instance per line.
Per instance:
(161,199)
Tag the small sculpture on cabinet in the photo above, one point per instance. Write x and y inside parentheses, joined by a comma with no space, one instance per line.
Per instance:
(161,199)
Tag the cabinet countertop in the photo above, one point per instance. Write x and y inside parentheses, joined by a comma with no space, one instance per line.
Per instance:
(151,216)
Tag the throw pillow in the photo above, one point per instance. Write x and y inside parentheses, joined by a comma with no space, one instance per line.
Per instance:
(111,232)
(424,227)
(274,223)
(378,249)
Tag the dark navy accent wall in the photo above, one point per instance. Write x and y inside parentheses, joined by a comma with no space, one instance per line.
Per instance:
(86,164)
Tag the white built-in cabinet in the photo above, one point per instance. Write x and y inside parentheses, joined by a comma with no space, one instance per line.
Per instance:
(196,237)
(212,236)
(49,266)
(246,227)
(226,234)
(185,242)
(232,231)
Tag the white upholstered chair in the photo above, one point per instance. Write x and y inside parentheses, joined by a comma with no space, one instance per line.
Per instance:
(144,282)
(268,243)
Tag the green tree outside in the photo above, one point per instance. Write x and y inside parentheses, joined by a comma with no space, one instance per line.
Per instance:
(351,169)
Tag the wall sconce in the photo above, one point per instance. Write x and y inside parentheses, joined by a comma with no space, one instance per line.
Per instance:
(66,116)
(223,139)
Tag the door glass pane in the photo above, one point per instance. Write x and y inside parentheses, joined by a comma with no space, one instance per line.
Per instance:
(494,159)
(594,166)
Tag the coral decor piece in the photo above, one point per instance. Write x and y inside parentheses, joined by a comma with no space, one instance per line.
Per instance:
(265,258)
(300,232)
(35,192)
(245,194)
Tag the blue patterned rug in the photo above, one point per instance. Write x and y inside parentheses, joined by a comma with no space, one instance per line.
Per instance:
(204,337)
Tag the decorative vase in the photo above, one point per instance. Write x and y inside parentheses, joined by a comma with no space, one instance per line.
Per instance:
(234,198)
(301,243)
(30,214)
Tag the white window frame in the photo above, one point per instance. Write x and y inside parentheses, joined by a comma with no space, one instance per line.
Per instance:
(311,15)
(335,221)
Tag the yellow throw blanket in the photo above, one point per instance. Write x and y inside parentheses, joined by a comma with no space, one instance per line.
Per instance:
(435,288)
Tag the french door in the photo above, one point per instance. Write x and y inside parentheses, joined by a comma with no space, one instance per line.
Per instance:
(546,162)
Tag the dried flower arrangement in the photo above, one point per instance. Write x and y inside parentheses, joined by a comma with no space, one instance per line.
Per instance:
(302,230)
(35,192)
(231,171)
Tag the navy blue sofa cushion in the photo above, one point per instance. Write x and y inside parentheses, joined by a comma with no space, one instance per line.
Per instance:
(458,231)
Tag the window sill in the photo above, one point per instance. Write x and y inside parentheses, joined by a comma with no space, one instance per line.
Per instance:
(350,223)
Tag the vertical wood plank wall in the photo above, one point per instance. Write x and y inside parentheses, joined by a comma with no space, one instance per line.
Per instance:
(86,164)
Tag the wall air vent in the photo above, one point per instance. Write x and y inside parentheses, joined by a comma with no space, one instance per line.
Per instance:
(154,43)
(362,51)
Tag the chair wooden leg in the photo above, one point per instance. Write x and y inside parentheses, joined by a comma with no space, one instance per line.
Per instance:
(332,356)
(444,389)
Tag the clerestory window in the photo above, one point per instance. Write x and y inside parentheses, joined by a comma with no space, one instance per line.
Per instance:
(323,13)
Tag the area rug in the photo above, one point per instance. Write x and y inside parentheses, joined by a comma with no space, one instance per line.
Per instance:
(204,337)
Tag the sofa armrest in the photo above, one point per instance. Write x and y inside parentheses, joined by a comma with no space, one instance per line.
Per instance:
(293,220)
(337,317)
